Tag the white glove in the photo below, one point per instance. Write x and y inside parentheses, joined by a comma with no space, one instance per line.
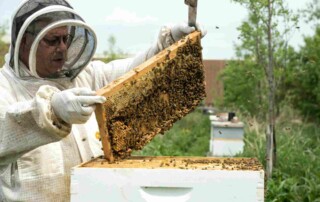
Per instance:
(166,37)
(75,106)
(169,35)
(182,29)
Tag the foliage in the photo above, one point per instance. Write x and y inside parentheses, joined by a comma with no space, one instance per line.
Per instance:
(112,53)
(297,175)
(296,73)
(3,46)
(312,13)
(242,81)
(251,72)
(188,137)
(306,94)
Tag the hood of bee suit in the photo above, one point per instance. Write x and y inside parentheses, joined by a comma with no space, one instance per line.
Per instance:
(37,18)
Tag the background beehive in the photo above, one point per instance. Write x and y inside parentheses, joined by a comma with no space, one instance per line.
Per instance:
(149,99)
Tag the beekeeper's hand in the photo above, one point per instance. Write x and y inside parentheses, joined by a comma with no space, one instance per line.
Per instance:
(75,106)
(182,29)
(170,34)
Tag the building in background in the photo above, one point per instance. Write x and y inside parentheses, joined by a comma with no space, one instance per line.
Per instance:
(214,87)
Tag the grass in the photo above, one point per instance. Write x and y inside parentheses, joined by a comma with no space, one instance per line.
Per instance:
(296,176)
(188,137)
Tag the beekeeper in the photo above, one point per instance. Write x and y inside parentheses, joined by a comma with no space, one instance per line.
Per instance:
(47,98)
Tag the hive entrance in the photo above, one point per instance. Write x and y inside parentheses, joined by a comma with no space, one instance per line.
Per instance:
(149,99)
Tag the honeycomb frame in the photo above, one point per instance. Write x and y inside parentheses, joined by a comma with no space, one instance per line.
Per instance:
(147,100)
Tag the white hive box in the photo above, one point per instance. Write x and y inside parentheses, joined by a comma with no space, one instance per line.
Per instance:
(226,137)
(169,179)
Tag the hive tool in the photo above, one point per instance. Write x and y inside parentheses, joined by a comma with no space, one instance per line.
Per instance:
(192,12)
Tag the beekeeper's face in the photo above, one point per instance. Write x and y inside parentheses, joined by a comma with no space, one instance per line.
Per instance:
(41,42)
(51,52)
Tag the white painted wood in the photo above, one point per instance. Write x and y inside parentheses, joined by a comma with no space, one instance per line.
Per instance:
(165,185)
(226,137)
(223,122)
(225,147)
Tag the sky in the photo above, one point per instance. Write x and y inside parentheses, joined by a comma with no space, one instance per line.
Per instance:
(135,24)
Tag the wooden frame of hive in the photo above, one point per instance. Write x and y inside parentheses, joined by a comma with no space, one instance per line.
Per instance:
(150,98)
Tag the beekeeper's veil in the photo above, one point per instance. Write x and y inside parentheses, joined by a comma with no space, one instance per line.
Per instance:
(81,41)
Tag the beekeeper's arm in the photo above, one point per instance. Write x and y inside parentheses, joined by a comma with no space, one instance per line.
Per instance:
(46,118)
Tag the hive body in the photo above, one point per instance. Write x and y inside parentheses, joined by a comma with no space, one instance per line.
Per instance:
(169,179)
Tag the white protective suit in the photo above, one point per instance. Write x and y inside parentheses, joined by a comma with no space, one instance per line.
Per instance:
(35,155)
(37,150)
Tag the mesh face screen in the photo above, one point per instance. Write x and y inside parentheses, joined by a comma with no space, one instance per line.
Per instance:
(81,47)
(26,11)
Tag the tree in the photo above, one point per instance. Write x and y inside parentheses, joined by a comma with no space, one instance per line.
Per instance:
(312,13)
(3,45)
(243,91)
(271,132)
(305,80)
(306,97)
(112,53)
(265,43)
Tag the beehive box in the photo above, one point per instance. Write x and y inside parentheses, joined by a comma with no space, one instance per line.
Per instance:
(149,99)
(226,137)
(168,179)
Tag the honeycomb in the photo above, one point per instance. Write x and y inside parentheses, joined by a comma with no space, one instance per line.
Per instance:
(149,104)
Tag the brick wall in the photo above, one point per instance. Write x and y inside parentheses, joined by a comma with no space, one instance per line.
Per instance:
(214,87)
